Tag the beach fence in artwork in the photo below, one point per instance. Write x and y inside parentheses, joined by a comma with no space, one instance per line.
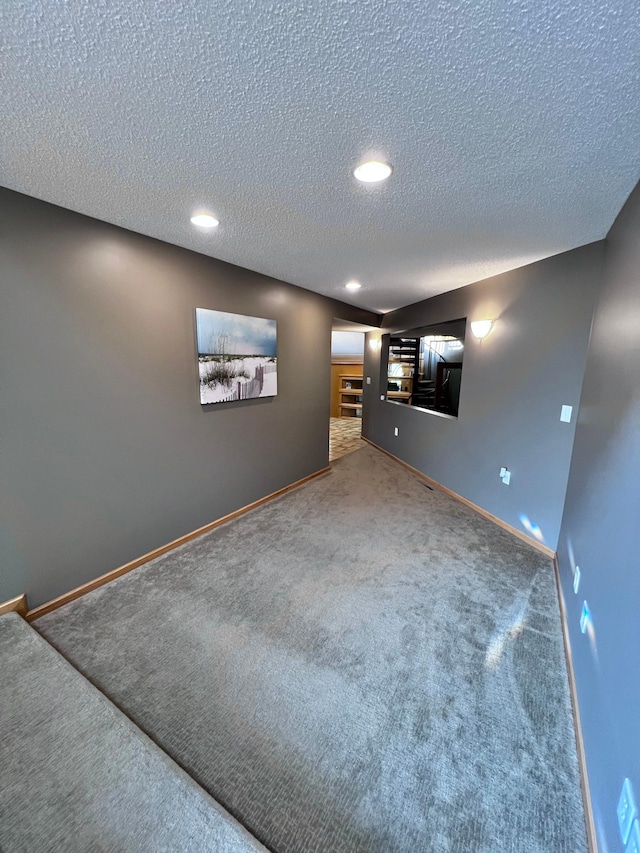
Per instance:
(237,356)
(250,387)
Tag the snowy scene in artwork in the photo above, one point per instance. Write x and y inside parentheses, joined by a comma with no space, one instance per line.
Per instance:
(236,356)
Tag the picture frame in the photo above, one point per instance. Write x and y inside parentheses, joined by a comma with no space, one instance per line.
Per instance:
(237,356)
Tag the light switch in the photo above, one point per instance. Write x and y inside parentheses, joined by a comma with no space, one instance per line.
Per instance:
(368,380)
(565,414)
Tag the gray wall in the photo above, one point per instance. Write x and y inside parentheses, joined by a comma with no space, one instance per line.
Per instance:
(106,452)
(601,531)
(513,386)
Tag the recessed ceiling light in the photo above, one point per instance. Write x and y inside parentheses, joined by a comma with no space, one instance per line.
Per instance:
(373,171)
(353,285)
(204,220)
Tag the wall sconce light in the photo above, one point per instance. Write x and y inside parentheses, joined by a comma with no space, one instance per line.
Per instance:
(481,328)
(375,343)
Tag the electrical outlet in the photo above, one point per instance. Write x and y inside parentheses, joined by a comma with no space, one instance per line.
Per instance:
(585,617)
(395,430)
(633,844)
(576,579)
(565,414)
(626,810)
(382,396)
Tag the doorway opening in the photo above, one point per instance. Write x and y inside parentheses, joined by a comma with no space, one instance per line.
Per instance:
(347,380)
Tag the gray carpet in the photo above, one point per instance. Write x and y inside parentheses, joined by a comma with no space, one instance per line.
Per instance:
(76,775)
(362,665)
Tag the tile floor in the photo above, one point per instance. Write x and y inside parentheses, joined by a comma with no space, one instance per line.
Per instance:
(344,437)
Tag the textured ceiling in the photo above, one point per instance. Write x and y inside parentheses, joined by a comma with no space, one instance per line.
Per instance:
(513,128)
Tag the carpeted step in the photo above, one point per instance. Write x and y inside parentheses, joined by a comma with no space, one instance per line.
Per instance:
(76,774)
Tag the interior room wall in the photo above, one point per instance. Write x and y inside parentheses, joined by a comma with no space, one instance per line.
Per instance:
(514,384)
(107,453)
(601,532)
(347,346)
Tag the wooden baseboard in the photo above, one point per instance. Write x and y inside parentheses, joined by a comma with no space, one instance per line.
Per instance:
(544,549)
(592,839)
(79,591)
(15,605)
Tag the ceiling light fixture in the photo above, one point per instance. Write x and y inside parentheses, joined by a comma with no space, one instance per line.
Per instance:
(372,171)
(353,285)
(204,220)
(481,328)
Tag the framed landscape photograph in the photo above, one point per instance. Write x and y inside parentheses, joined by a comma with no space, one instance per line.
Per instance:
(236,356)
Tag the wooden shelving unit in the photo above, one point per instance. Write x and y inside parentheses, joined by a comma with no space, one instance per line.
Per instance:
(350,396)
